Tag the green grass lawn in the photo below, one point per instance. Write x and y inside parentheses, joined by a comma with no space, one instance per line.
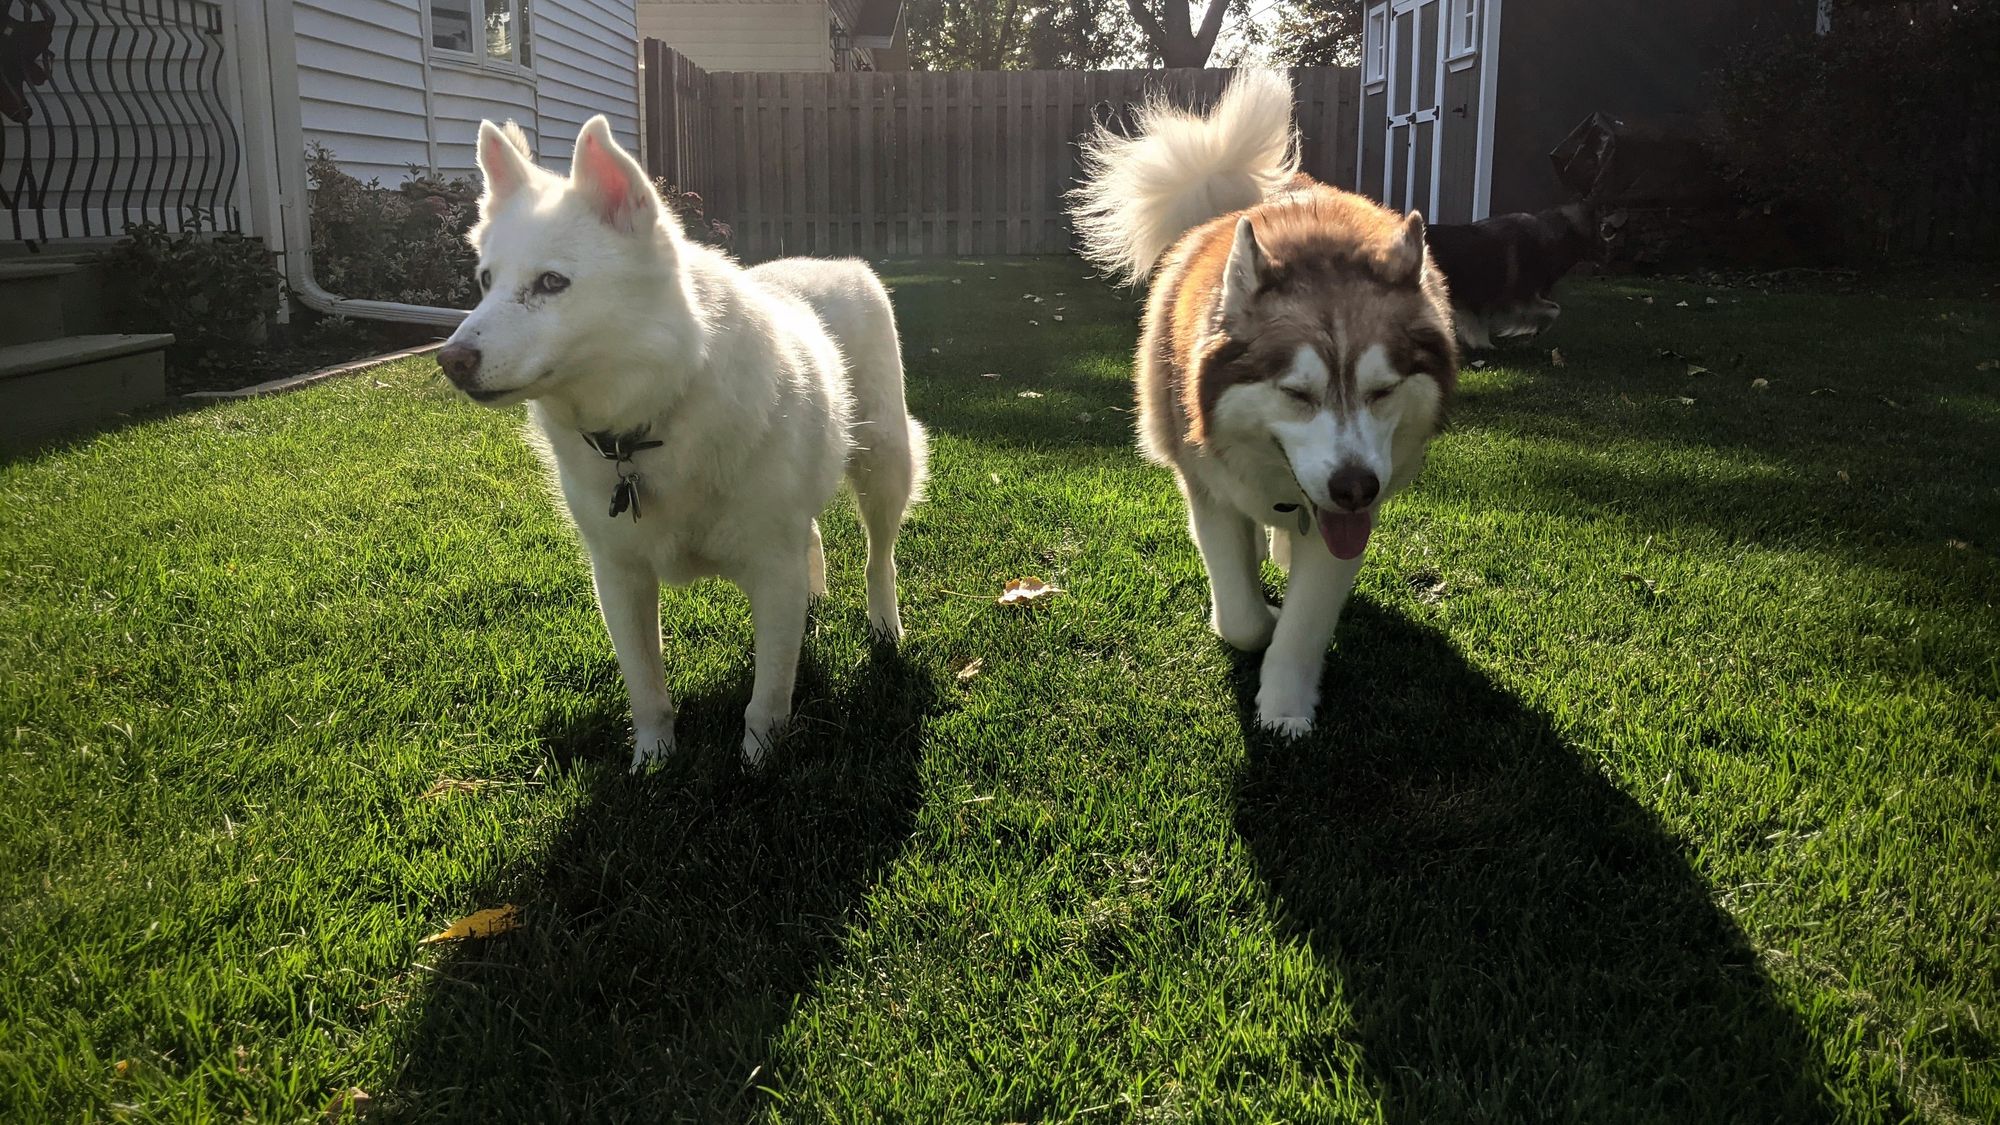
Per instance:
(1656,778)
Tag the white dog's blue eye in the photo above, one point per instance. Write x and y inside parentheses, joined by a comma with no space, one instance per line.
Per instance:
(551,282)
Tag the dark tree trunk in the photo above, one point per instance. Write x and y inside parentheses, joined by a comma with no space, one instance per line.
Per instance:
(1172,34)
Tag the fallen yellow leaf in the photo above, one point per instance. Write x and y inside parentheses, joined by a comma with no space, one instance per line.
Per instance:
(972,669)
(1696,369)
(1759,384)
(1026,590)
(484,924)
(351,1102)
(1556,357)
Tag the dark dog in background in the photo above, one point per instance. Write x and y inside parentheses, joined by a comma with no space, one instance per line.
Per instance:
(1502,270)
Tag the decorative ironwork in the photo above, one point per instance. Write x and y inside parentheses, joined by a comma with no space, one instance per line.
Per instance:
(123,121)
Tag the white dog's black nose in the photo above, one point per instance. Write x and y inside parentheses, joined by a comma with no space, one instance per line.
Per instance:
(460,363)
(1352,488)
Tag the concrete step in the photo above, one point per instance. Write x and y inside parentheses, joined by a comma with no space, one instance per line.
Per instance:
(49,386)
(31,300)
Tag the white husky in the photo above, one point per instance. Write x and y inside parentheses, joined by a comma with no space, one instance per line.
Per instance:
(698,415)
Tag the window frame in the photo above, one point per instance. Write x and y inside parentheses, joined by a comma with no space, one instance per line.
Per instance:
(478,59)
(1375,46)
(1461,16)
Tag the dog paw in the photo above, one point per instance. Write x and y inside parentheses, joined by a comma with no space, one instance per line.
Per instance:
(1285,726)
(758,740)
(885,630)
(1287,698)
(1253,635)
(649,749)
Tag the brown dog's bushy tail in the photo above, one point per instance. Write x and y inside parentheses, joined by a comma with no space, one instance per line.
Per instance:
(1179,170)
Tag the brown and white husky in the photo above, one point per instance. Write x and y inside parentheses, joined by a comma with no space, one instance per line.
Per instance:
(1297,357)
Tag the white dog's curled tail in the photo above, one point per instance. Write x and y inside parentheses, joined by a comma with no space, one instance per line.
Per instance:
(1179,170)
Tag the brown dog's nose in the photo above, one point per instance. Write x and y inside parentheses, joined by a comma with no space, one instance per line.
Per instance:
(1353,488)
(460,363)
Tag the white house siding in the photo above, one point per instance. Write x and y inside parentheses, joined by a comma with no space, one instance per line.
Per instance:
(742,34)
(361,83)
(462,95)
(589,65)
(363,66)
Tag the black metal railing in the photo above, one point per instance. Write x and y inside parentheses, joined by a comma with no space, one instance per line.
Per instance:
(114,113)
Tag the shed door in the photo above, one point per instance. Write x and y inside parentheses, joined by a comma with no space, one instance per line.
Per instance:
(1415,93)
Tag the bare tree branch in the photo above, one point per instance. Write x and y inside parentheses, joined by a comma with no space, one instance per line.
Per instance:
(1211,26)
(1144,15)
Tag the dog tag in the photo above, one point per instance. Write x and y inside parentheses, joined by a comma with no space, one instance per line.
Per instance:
(626,495)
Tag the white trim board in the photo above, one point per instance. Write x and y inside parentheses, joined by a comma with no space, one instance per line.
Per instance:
(1489,85)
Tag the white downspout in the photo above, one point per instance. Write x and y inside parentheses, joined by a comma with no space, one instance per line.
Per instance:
(287,158)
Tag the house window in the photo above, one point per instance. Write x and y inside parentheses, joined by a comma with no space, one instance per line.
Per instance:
(484,32)
(1464,27)
(1375,46)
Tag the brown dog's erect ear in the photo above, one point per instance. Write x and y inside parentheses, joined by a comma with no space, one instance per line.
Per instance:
(610,180)
(1241,275)
(1404,262)
(503,165)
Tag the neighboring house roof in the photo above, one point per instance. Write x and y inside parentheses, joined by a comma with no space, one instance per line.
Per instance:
(871,23)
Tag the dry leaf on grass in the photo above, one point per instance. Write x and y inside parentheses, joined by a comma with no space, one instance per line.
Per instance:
(1760,384)
(1954,544)
(1989,365)
(989,374)
(1029,394)
(447,785)
(351,1102)
(484,924)
(1684,400)
(972,669)
(1842,474)
(1026,590)
(1695,369)
(1556,357)
(1648,300)
(1680,304)
(1057,316)
(1710,301)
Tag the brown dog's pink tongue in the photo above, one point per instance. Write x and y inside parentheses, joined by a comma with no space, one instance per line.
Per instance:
(1346,533)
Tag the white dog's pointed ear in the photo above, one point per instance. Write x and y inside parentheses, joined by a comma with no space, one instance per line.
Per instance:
(503,165)
(1242,275)
(610,181)
(1404,264)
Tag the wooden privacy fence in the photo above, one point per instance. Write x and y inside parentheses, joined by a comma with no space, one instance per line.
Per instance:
(878,164)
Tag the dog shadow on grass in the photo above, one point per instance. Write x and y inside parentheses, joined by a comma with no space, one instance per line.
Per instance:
(1518,939)
(672,922)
